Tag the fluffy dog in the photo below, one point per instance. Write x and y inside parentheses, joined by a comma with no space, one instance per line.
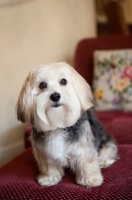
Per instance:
(56,100)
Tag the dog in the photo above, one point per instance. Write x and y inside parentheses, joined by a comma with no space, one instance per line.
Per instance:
(58,102)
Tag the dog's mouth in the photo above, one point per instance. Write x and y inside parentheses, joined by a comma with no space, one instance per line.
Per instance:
(56,105)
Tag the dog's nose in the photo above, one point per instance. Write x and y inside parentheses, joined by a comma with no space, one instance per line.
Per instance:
(55,97)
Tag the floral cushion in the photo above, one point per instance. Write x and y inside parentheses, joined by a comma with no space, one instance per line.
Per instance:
(112,83)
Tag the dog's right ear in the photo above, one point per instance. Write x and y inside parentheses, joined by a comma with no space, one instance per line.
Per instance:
(83,90)
(24,106)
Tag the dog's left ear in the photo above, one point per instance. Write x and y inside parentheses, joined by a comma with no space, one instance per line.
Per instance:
(83,90)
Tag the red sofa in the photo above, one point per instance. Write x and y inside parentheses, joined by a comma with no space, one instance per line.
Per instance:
(18,178)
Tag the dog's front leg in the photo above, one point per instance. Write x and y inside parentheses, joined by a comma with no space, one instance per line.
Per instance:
(50,174)
(87,170)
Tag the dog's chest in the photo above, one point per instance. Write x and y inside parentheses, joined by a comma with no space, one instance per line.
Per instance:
(55,146)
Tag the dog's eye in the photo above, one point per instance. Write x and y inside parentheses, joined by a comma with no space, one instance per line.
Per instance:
(63,81)
(42,85)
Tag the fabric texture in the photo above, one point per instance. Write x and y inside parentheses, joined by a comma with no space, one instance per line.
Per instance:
(112,79)
(18,181)
(118,125)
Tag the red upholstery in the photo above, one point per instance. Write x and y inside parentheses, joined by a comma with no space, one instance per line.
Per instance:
(27,137)
(18,181)
(18,178)
(118,125)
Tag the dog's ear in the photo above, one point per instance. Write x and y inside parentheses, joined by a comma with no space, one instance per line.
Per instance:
(25,102)
(83,90)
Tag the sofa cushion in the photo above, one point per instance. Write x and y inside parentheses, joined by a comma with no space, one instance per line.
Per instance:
(18,181)
(112,80)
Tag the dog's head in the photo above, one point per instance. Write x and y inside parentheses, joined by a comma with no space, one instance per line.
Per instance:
(53,96)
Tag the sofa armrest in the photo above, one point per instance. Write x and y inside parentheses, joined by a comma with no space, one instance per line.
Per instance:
(27,134)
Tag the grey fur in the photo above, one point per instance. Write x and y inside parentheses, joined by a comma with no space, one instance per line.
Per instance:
(74,132)
(38,136)
(98,130)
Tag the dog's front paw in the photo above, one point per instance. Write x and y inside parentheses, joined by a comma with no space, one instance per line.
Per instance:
(91,181)
(49,180)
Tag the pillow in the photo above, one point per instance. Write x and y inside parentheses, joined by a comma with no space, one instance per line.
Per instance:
(112,81)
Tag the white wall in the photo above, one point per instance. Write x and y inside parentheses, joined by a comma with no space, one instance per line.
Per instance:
(31,33)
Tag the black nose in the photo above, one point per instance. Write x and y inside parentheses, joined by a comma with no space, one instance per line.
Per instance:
(55,97)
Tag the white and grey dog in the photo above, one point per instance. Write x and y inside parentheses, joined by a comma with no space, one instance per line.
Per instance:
(56,100)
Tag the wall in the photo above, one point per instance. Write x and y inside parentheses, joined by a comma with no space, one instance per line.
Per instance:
(31,33)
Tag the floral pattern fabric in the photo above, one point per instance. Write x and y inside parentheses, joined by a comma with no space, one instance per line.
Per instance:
(112,82)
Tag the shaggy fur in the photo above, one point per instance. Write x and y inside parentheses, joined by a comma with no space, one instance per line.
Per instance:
(56,100)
